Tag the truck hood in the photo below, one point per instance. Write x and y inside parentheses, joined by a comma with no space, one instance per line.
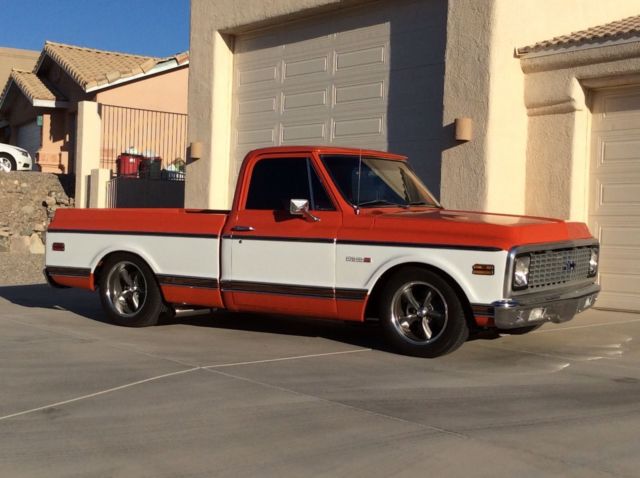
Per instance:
(472,229)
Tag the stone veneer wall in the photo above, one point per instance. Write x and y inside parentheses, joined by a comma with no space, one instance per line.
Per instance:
(28,201)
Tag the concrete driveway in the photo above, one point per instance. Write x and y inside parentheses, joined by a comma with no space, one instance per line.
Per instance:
(224,395)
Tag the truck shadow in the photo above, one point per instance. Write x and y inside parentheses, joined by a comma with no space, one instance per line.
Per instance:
(86,304)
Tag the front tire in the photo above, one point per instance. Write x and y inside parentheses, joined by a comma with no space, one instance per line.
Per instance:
(422,314)
(129,293)
(7,163)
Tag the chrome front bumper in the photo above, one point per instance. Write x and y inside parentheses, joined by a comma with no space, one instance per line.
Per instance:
(536,309)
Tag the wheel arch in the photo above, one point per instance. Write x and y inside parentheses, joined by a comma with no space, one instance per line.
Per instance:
(98,263)
(10,157)
(381,281)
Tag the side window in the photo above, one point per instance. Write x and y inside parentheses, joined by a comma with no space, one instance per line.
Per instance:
(275,181)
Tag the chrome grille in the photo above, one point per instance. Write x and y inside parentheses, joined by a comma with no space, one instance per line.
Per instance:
(558,267)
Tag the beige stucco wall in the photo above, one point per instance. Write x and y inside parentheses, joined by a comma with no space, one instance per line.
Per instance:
(87,150)
(163,92)
(466,86)
(513,167)
(498,170)
(53,156)
(557,93)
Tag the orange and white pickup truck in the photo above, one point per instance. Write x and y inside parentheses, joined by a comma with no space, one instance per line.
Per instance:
(332,233)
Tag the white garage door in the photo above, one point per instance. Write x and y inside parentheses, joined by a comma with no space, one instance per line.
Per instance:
(28,138)
(367,77)
(615,195)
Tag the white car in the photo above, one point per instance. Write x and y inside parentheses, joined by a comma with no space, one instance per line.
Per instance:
(13,158)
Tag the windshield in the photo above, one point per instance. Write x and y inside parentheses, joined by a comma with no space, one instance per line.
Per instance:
(377,182)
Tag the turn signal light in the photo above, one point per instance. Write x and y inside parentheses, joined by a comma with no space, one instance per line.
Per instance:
(484,269)
(58,246)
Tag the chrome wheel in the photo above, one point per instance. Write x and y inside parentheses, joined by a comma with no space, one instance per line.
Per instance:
(419,312)
(126,290)
(5,164)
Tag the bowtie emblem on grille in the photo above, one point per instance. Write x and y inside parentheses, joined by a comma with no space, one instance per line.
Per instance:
(569,266)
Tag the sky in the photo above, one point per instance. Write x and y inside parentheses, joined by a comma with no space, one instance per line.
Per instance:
(145,27)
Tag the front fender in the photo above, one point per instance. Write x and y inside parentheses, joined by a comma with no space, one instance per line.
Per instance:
(458,265)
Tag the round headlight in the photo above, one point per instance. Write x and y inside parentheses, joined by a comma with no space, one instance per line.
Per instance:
(521,272)
(593,262)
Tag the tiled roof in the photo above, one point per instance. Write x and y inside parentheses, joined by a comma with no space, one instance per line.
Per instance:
(90,68)
(34,88)
(618,30)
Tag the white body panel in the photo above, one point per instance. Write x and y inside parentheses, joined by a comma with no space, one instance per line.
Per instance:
(326,265)
(280,262)
(171,255)
(456,263)
(310,264)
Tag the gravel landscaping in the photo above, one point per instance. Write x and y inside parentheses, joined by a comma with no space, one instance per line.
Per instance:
(21,269)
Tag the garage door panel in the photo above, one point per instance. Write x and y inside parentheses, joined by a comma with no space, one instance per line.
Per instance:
(257,106)
(259,77)
(315,99)
(353,94)
(416,86)
(334,79)
(311,133)
(256,136)
(615,195)
(411,124)
(619,236)
(618,150)
(431,47)
(623,291)
(308,69)
(29,137)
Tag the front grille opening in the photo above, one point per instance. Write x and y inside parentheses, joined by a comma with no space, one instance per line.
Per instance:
(558,267)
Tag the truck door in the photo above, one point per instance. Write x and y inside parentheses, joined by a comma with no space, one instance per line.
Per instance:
(282,263)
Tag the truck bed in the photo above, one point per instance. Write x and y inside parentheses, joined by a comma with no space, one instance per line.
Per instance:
(181,246)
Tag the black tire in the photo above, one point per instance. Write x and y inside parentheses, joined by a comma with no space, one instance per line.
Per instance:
(6,160)
(129,293)
(417,302)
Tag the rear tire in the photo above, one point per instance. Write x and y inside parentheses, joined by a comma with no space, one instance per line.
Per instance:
(422,314)
(7,163)
(129,293)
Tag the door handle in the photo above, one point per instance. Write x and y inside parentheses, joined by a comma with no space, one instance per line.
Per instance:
(242,228)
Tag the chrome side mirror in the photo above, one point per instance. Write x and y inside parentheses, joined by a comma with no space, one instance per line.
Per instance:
(300,207)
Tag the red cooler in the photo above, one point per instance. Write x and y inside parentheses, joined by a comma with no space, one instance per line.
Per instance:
(128,164)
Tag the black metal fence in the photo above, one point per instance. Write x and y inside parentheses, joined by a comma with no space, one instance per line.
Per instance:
(148,133)
(144,192)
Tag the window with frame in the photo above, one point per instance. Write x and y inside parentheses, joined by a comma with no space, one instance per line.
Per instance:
(275,181)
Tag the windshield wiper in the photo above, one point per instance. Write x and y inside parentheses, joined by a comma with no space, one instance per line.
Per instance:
(424,203)
(381,202)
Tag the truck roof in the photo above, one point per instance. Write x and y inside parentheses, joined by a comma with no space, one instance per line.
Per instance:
(327,150)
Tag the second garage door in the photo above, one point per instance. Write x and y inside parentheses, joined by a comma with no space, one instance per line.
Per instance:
(370,77)
(28,138)
(615,196)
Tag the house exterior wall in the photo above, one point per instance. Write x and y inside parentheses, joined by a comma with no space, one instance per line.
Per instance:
(498,170)
(515,183)
(163,92)
(558,90)
(57,141)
